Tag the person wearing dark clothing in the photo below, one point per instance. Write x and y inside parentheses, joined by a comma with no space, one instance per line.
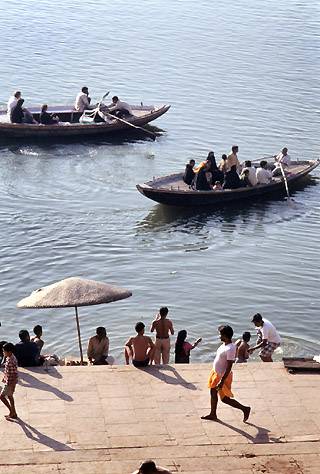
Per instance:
(183,348)
(47,119)
(231,179)
(17,115)
(189,174)
(244,179)
(217,174)
(201,179)
(26,352)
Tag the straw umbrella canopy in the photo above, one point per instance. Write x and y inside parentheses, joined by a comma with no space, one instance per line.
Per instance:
(74,292)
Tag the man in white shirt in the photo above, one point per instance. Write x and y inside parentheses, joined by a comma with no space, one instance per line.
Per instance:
(12,102)
(83,100)
(263,175)
(98,347)
(252,172)
(268,338)
(119,108)
(232,159)
(282,159)
(220,378)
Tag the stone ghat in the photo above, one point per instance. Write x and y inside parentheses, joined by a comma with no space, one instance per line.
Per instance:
(107,419)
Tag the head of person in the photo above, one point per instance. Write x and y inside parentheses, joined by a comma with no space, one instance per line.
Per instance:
(263,164)
(246,336)
(163,312)
(85,90)
(148,467)
(285,151)
(247,164)
(38,330)
(115,99)
(192,163)
(24,335)
(224,157)
(226,333)
(101,332)
(2,343)
(139,327)
(17,95)
(8,349)
(211,156)
(235,149)
(257,320)
(218,184)
(245,173)
(44,108)
(181,337)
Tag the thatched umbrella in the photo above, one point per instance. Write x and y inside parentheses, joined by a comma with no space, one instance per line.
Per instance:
(75,292)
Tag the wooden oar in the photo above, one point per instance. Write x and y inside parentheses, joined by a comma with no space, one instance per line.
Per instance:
(154,136)
(285,182)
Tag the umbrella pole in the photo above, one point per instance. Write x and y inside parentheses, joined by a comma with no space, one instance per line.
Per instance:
(79,336)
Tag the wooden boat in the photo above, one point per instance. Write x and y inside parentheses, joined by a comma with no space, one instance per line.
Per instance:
(171,190)
(69,126)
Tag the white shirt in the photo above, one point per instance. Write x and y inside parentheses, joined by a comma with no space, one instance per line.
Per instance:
(252,175)
(120,106)
(269,332)
(82,102)
(12,102)
(284,159)
(225,353)
(263,176)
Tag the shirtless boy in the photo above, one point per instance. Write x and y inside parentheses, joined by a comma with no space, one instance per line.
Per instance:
(162,326)
(140,348)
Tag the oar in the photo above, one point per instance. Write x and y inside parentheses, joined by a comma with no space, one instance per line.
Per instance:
(285,182)
(154,136)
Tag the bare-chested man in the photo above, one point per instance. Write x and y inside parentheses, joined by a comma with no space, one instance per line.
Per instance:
(140,348)
(162,326)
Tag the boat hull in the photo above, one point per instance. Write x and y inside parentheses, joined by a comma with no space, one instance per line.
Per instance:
(9,131)
(191,198)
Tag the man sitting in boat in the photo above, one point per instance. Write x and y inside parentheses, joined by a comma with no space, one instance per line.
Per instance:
(264,176)
(12,102)
(282,159)
(83,100)
(252,172)
(189,174)
(244,179)
(47,119)
(119,109)
(20,114)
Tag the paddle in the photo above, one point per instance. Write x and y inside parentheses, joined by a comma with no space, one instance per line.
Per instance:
(285,182)
(154,136)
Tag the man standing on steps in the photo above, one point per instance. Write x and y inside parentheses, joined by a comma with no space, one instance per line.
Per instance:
(268,338)
(162,326)
(220,378)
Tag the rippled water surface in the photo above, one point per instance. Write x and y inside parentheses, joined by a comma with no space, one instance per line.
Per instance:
(240,72)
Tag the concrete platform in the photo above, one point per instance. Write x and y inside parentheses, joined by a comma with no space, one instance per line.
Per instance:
(108,419)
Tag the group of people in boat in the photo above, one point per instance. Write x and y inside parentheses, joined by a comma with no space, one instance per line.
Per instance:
(230,174)
(17,113)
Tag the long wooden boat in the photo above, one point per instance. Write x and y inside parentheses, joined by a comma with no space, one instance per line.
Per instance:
(172,191)
(69,126)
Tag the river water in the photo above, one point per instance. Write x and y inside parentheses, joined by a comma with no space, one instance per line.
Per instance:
(241,72)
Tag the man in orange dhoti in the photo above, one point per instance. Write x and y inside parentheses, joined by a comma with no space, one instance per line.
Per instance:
(220,378)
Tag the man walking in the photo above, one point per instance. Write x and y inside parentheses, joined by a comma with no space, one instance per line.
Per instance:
(220,378)
(162,326)
(268,338)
